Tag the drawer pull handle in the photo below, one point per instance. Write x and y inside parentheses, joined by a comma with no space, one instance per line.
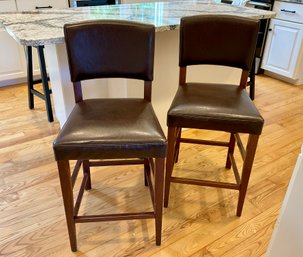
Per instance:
(44,7)
(288,11)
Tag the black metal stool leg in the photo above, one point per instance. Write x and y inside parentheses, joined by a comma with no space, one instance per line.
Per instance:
(30,82)
(45,84)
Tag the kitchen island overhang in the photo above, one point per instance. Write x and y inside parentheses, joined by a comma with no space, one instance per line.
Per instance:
(45,27)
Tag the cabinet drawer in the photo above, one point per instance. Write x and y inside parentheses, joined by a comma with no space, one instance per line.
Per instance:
(27,5)
(8,6)
(289,11)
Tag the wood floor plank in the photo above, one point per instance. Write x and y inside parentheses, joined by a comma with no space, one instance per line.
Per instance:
(236,238)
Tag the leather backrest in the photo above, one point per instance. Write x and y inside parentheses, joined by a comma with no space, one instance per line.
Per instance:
(110,49)
(219,40)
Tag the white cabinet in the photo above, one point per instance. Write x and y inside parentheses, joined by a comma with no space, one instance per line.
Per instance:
(12,62)
(284,46)
(12,54)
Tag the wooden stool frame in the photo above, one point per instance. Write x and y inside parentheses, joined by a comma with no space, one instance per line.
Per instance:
(68,179)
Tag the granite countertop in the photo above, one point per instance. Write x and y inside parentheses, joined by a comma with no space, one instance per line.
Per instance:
(292,1)
(43,27)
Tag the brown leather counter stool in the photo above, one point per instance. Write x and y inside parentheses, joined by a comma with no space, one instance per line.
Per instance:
(110,131)
(215,40)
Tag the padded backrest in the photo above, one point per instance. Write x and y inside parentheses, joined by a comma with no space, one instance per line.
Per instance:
(110,49)
(219,40)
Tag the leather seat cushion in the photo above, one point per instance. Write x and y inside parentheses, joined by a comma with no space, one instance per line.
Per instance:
(111,128)
(215,107)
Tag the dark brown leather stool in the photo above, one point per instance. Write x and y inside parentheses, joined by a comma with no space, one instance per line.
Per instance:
(110,131)
(215,40)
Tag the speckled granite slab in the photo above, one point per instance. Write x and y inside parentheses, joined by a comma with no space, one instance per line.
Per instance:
(45,26)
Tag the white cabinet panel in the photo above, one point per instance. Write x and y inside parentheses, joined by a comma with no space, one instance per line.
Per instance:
(7,6)
(283,54)
(283,47)
(284,38)
(12,66)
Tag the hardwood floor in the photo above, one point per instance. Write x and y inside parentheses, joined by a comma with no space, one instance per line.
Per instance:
(198,222)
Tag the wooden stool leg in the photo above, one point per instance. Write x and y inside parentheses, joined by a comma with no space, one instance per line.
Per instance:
(146,170)
(45,84)
(247,166)
(177,147)
(86,170)
(252,80)
(231,148)
(30,80)
(170,159)
(159,183)
(68,200)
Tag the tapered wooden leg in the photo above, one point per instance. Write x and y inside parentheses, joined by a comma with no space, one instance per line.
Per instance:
(68,200)
(170,159)
(86,170)
(177,147)
(159,184)
(247,166)
(146,170)
(252,82)
(231,148)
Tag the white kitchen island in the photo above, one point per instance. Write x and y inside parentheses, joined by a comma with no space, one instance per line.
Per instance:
(45,27)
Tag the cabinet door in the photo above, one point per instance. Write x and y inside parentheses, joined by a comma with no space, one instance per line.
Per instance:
(283,46)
